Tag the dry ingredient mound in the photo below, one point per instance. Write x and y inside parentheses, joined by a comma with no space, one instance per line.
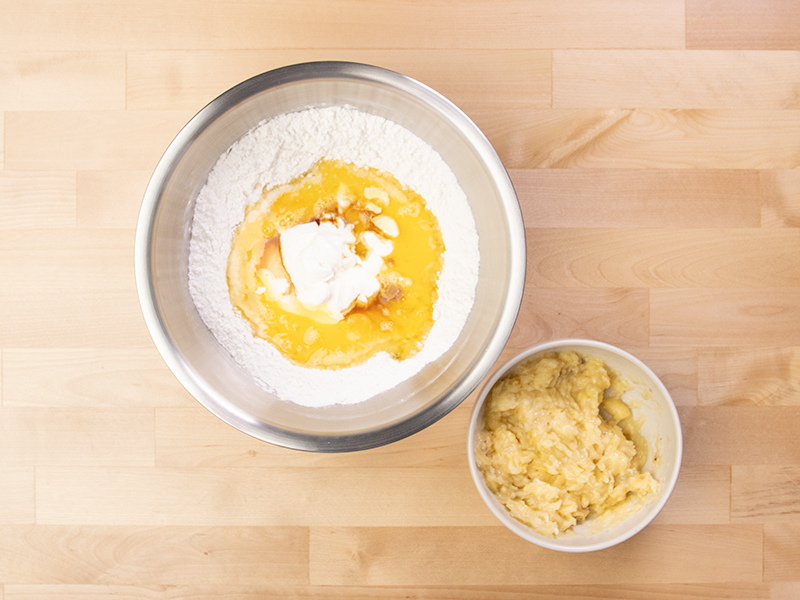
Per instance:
(281,149)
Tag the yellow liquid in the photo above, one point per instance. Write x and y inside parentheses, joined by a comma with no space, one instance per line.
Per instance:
(397,321)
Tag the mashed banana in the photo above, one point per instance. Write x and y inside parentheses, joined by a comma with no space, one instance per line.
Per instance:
(558,444)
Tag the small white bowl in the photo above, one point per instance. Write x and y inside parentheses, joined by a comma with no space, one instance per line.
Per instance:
(661,427)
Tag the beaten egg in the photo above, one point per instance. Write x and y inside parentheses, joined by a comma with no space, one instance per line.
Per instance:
(367,279)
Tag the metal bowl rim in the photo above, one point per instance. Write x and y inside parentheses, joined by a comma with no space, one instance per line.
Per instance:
(145,284)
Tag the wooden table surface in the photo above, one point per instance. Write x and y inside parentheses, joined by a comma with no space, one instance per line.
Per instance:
(655,150)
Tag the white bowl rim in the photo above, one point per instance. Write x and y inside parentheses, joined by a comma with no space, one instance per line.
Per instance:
(519,528)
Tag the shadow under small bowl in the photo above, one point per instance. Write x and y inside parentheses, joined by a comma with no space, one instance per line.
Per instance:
(661,428)
(207,370)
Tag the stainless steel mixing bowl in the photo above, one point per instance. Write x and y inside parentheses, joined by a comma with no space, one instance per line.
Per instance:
(209,373)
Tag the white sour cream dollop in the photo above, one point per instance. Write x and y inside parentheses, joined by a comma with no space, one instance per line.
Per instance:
(326,272)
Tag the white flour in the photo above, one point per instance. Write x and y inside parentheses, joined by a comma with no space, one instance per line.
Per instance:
(280,150)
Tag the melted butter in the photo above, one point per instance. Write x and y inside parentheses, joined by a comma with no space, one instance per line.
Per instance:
(395,320)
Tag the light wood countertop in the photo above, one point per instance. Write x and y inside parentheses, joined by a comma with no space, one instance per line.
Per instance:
(655,148)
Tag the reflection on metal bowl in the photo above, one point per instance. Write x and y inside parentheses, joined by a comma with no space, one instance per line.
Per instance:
(209,373)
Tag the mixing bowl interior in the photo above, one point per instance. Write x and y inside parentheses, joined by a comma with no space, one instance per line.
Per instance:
(208,371)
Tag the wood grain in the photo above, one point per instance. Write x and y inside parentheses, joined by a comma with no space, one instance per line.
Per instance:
(39,200)
(781,552)
(89,378)
(740,591)
(257,496)
(52,277)
(398,556)
(495,77)
(725,317)
(62,80)
(88,140)
(675,79)
(734,435)
(17,502)
(742,25)
(655,151)
(701,496)
(644,138)
(616,316)
(758,376)
(781,198)
(347,24)
(142,556)
(643,198)
(193,437)
(765,494)
(785,590)
(663,258)
(75,436)
(109,199)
